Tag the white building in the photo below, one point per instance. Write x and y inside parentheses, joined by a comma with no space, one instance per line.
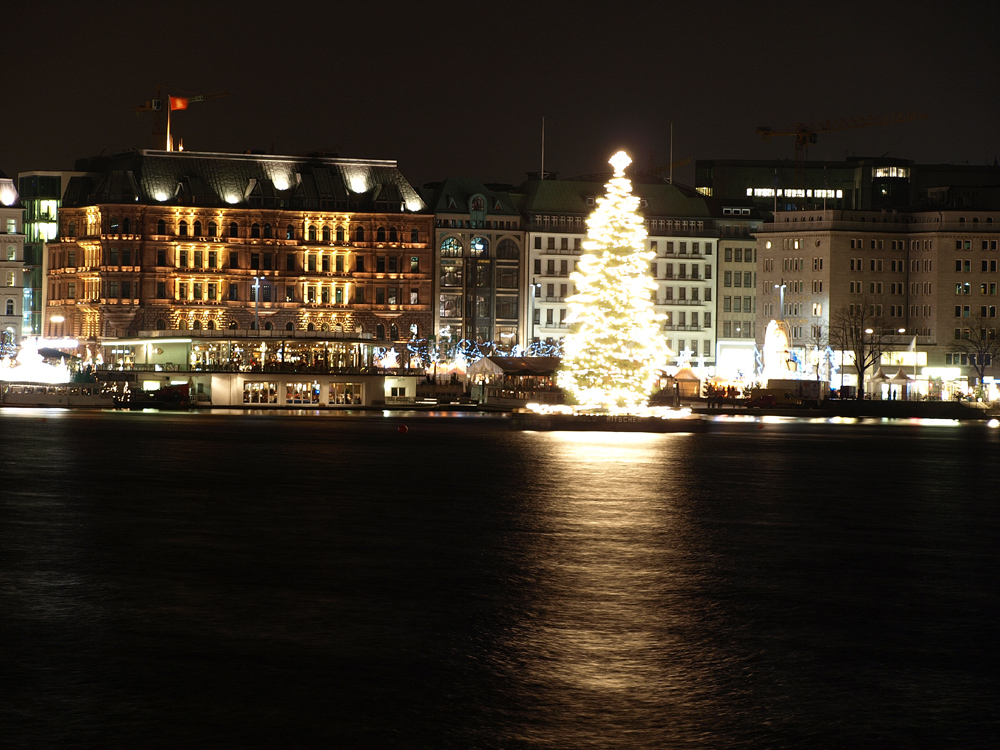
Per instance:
(11,262)
(680,232)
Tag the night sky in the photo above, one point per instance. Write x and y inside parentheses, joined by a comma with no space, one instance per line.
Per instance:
(459,89)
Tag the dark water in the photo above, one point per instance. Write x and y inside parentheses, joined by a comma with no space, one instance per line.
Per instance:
(221,580)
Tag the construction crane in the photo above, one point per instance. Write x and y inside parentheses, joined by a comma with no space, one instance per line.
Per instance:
(806,132)
(173,102)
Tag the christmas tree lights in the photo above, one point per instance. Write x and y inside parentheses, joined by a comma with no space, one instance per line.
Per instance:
(614,350)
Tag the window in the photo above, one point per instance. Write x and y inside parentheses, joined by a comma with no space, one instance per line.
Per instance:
(197,229)
(414,264)
(213,259)
(234,293)
(414,236)
(161,227)
(255,230)
(727,278)
(359,234)
(213,229)
(234,259)
(326,234)
(234,229)
(161,290)
(289,232)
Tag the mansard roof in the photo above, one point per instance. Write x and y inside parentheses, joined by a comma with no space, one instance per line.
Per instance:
(189,178)
(453,196)
(571,197)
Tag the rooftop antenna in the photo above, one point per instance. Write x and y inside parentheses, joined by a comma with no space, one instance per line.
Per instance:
(543,147)
(670,180)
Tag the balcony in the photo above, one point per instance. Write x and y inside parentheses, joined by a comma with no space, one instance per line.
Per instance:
(681,327)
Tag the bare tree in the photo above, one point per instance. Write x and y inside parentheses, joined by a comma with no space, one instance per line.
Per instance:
(819,340)
(860,329)
(979,342)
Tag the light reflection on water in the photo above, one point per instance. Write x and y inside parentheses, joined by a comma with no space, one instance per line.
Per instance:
(274,579)
(603,648)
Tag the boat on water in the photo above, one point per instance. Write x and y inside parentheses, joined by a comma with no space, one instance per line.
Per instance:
(69,395)
(167,397)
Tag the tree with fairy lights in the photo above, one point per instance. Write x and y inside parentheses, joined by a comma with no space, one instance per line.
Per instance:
(614,349)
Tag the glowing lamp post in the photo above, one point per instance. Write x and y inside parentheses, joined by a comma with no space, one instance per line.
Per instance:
(256,303)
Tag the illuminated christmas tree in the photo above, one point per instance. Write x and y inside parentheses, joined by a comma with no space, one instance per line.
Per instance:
(614,349)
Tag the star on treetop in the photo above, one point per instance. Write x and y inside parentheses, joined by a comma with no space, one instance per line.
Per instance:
(619,161)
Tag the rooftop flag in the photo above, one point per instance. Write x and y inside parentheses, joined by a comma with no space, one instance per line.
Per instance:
(177,102)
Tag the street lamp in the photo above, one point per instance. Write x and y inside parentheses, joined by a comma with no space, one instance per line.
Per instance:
(864,354)
(256,303)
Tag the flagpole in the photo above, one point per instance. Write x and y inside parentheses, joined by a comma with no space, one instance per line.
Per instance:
(168,123)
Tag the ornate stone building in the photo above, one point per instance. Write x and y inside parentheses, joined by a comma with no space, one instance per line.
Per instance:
(158,240)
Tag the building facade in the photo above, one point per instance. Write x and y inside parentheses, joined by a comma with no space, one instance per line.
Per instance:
(11,265)
(736,327)
(158,240)
(681,234)
(41,196)
(479,248)
(928,276)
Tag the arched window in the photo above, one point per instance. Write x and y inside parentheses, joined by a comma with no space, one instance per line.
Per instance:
(289,326)
(380,331)
(326,234)
(507,249)
(161,324)
(393,332)
(312,233)
(113,222)
(268,326)
(161,227)
(393,235)
(479,247)
(182,325)
(210,325)
(213,229)
(310,327)
(197,229)
(253,325)
(182,228)
(233,326)
(234,229)
(196,326)
(325,327)
(267,231)
(126,226)
(10,307)
(451,248)
(380,234)
(414,235)
(255,230)
(340,234)
(359,234)
(289,232)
